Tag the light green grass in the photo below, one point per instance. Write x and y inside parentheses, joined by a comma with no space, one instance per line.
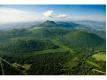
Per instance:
(94,64)
(99,57)
(27,66)
(99,71)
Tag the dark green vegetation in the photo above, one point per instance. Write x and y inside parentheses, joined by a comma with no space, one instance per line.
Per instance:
(55,49)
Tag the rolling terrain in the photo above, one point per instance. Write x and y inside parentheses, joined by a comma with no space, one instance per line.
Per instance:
(53,48)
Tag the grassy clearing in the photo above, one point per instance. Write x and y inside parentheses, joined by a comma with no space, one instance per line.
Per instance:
(99,57)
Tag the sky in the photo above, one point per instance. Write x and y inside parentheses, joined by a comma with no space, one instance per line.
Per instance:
(25,13)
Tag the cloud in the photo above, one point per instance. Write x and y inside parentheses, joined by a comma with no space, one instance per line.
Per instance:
(51,15)
(8,15)
(62,16)
(48,13)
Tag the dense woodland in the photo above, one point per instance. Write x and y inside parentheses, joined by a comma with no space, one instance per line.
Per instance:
(54,49)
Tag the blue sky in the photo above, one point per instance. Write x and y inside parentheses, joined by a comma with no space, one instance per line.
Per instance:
(53,12)
(76,9)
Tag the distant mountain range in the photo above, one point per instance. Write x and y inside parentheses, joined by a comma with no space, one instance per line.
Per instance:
(92,25)
(58,24)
